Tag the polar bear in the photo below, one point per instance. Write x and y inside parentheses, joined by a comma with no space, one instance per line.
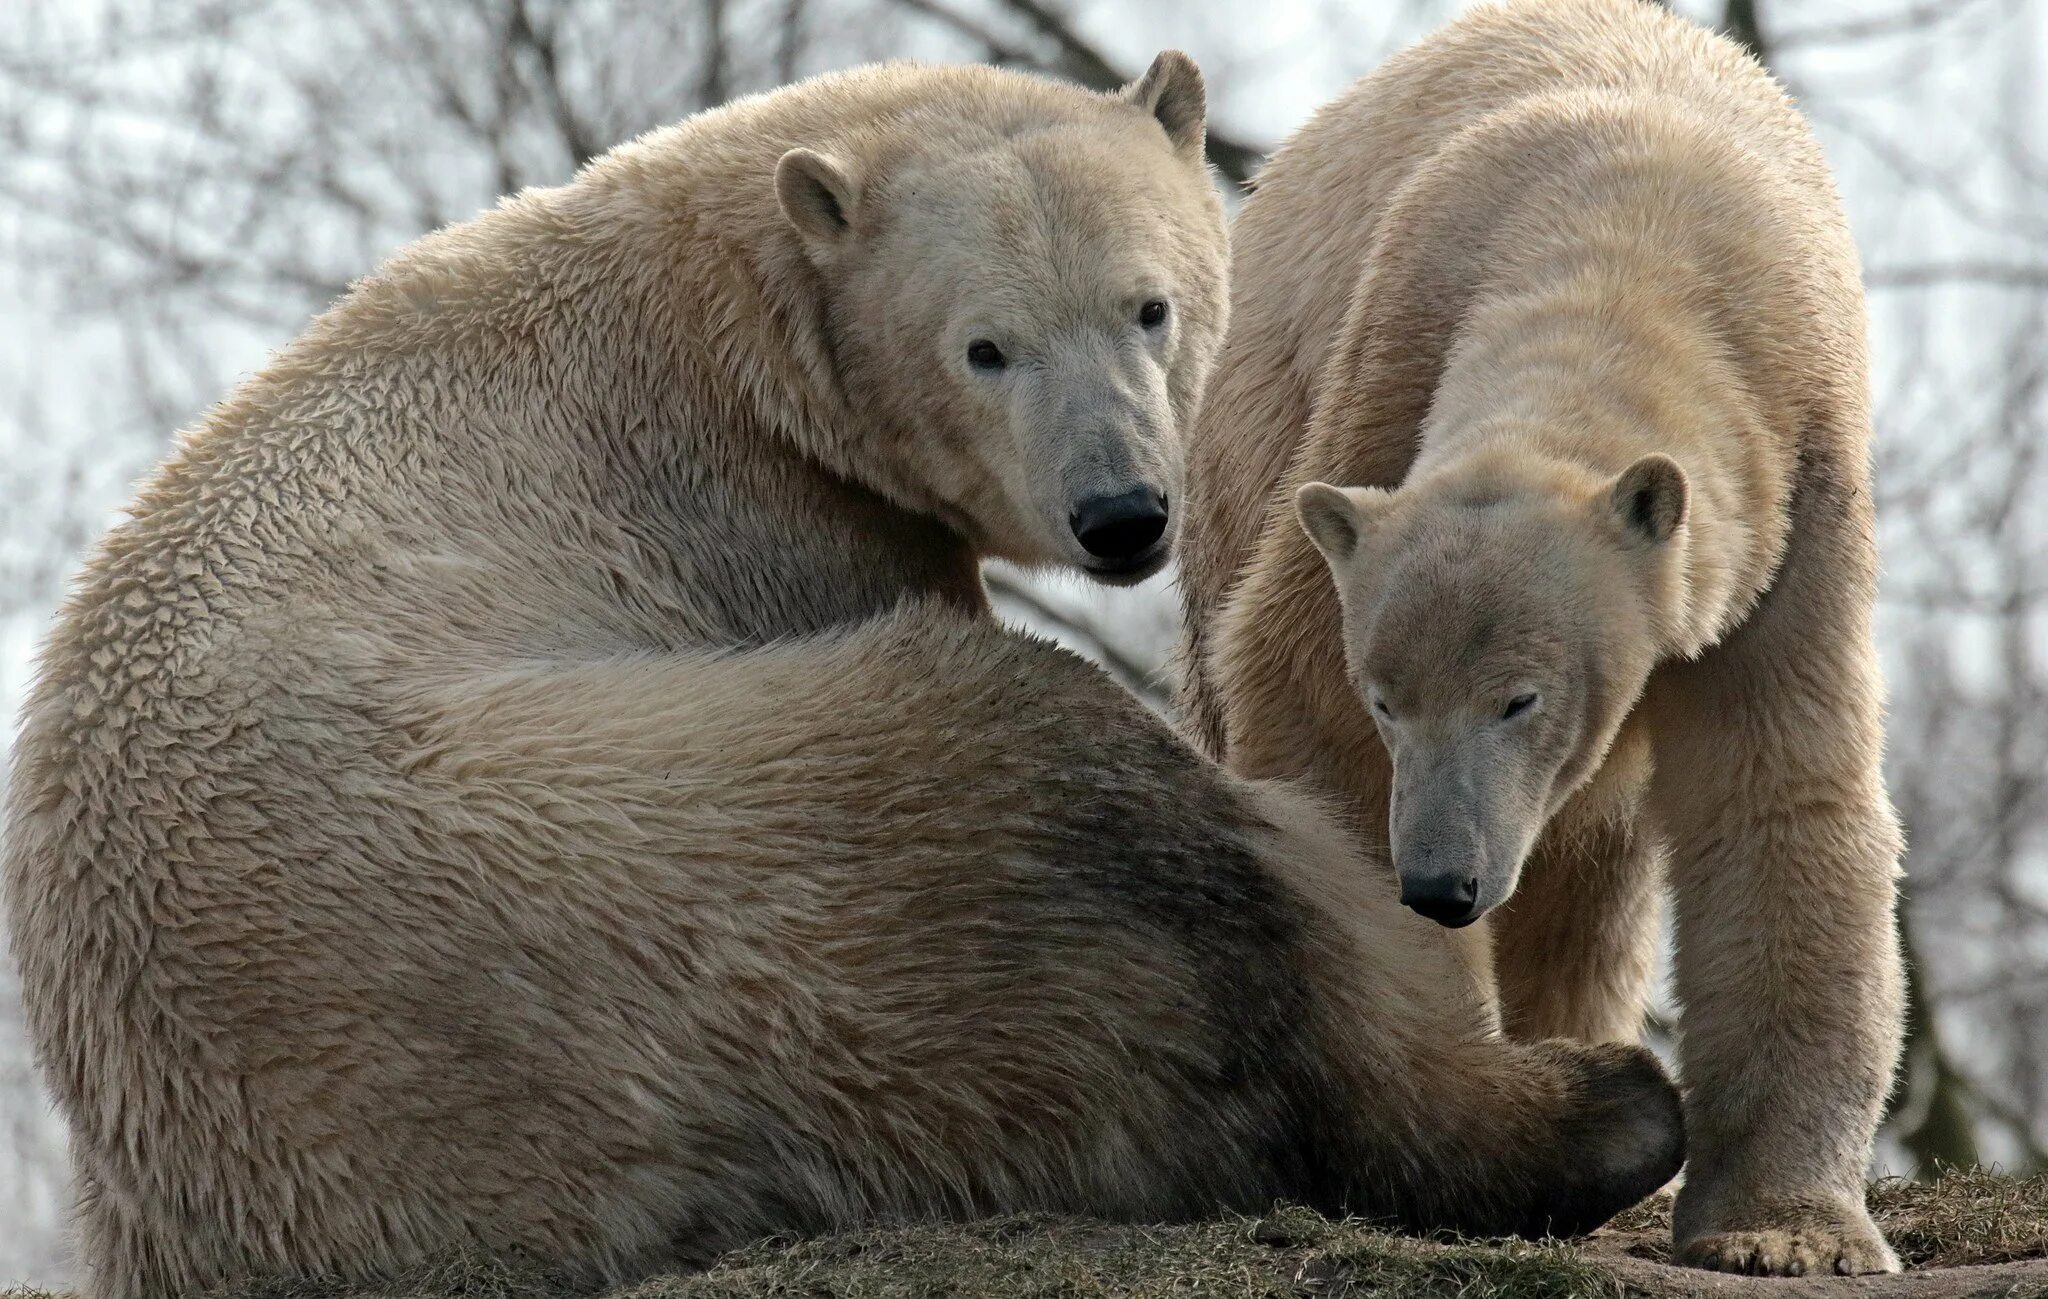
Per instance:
(1583,441)
(537,773)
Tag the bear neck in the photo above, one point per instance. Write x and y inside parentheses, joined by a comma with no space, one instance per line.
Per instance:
(749,458)
(628,399)
(722,271)
(784,545)
(1580,374)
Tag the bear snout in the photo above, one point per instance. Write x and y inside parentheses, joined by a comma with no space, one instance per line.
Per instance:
(1447,897)
(1120,529)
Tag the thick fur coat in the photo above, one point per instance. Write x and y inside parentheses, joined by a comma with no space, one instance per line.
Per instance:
(536,774)
(1594,407)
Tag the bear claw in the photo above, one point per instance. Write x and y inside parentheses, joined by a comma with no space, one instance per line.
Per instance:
(1817,1248)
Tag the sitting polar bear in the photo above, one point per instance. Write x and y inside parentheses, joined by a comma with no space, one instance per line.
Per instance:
(537,774)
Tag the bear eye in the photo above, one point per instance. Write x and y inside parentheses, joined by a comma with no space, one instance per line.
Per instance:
(984,355)
(1517,706)
(1153,314)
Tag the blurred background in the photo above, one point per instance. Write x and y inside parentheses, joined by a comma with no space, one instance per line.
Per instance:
(185,182)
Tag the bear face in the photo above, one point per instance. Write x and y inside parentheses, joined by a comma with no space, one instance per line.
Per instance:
(1499,628)
(1031,318)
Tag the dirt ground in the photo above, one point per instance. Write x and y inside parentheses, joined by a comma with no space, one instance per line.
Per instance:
(1970,1234)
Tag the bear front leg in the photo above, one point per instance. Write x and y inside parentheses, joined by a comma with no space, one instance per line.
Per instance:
(1783,863)
(1574,948)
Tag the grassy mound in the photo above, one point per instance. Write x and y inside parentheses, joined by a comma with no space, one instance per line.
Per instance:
(1967,1234)
(1965,1218)
(1290,1252)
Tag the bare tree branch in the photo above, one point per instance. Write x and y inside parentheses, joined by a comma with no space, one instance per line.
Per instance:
(1740,21)
(1911,20)
(1075,58)
(2005,275)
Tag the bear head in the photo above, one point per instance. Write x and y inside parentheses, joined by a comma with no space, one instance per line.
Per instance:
(1500,622)
(1022,318)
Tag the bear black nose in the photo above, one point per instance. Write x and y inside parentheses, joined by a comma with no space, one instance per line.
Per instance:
(1447,899)
(1119,528)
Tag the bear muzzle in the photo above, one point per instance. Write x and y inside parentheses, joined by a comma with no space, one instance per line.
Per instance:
(1124,533)
(1450,898)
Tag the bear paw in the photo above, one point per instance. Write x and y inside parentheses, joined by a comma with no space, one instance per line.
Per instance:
(1623,1135)
(1803,1241)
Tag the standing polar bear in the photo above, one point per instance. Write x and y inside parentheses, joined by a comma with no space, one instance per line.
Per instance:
(1604,568)
(536,772)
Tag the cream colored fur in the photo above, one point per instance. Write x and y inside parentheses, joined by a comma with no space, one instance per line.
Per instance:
(1601,369)
(536,773)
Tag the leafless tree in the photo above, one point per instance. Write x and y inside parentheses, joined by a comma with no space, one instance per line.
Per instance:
(189,180)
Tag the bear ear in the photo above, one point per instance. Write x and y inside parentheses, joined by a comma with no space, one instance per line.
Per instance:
(1171,91)
(818,194)
(1336,518)
(1648,501)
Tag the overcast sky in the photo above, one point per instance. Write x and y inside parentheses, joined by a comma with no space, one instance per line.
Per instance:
(1957,103)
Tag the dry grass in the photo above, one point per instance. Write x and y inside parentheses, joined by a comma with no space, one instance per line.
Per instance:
(1290,1252)
(1966,1218)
